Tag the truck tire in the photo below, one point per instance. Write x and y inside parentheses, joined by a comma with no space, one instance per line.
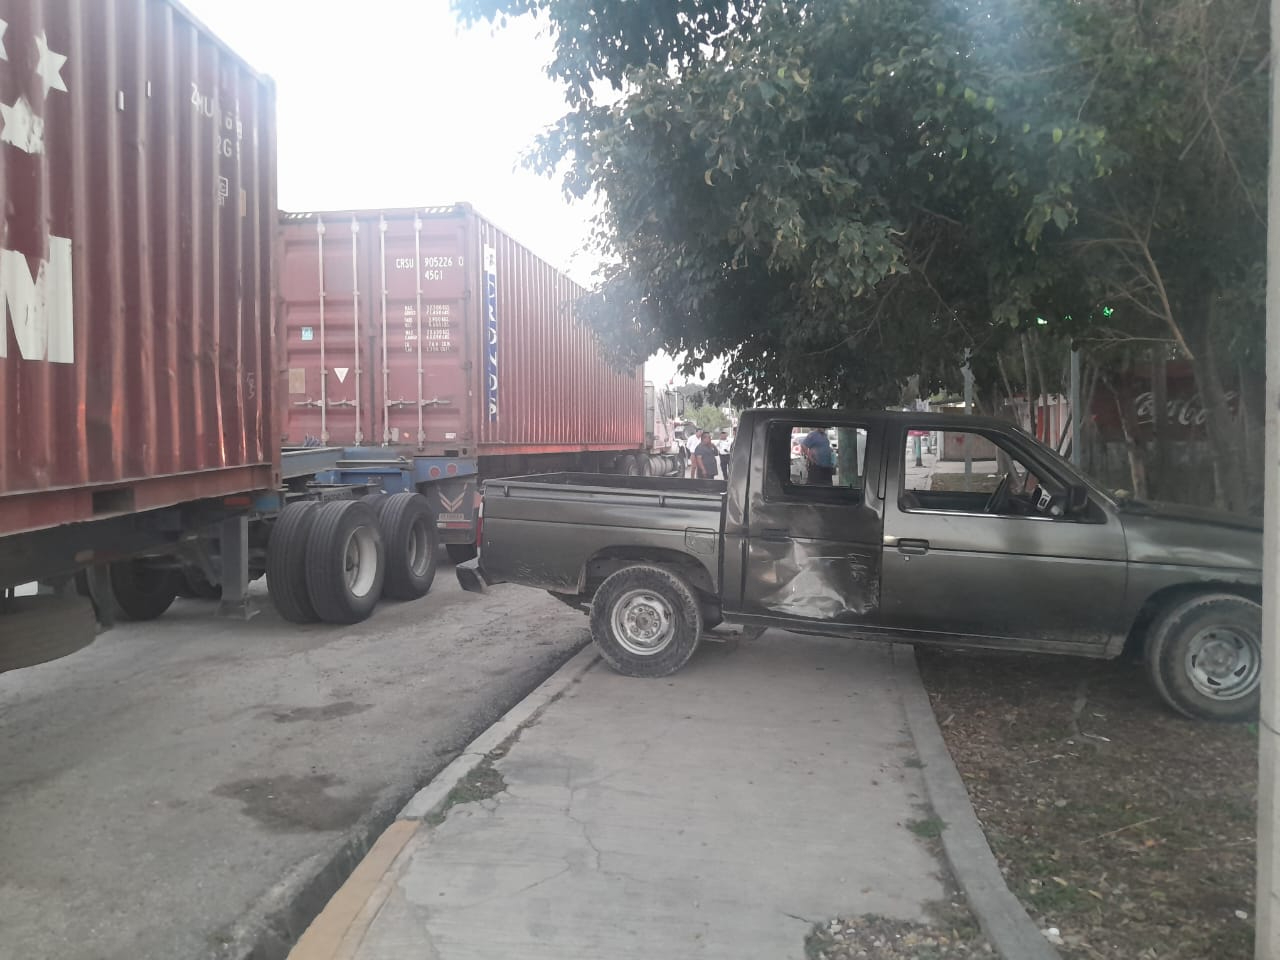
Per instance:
(287,562)
(646,621)
(346,561)
(412,545)
(1204,657)
(461,552)
(142,592)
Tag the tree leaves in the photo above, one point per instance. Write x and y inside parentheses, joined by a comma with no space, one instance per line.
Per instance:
(836,195)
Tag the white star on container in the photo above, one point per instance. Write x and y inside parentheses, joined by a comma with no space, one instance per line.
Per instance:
(4,26)
(22,127)
(50,66)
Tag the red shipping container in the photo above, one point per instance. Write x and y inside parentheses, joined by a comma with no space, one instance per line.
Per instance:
(435,329)
(137,163)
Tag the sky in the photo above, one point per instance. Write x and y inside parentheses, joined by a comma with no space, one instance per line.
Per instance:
(391,103)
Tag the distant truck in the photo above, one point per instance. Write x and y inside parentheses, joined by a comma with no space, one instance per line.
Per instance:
(1008,548)
(167,427)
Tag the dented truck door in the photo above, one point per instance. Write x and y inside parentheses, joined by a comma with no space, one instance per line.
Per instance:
(805,532)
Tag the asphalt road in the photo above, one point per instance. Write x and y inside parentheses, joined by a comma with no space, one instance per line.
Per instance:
(192,787)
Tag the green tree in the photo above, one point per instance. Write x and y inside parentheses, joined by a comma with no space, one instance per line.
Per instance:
(708,417)
(838,194)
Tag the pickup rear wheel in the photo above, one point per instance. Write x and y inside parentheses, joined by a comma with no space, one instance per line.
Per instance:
(646,621)
(1204,657)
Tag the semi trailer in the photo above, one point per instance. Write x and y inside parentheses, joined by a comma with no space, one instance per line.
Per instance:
(197,390)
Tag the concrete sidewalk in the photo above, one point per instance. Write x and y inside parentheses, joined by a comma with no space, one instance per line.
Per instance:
(717,813)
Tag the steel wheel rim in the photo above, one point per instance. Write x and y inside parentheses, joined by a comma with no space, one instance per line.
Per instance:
(360,561)
(419,548)
(1224,663)
(643,623)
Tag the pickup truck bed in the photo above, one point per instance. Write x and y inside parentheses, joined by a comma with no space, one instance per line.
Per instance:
(562,530)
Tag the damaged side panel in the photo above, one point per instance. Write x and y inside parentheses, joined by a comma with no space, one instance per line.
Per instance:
(816,580)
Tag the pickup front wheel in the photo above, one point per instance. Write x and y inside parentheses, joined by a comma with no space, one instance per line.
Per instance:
(1204,657)
(646,621)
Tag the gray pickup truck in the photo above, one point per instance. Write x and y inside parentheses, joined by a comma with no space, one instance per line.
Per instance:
(919,528)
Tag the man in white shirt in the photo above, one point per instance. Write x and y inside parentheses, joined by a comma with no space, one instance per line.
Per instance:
(690,445)
(725,447)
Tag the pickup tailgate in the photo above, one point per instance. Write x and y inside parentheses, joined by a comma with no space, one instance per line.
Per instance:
(545,531)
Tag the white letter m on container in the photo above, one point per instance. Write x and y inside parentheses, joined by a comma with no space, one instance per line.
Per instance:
(39,307)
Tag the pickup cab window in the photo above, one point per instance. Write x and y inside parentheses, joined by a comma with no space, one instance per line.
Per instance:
(965,471)
(808,461)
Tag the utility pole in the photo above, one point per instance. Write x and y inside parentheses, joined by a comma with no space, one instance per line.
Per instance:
(1267,919)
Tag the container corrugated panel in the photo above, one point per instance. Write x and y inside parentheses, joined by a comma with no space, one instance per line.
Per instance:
(137,163)
(388,320)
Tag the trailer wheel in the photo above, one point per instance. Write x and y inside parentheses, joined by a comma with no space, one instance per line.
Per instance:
(287,562)
(461,552)
(142,592)
(412,545)
(646,621)
(346,561)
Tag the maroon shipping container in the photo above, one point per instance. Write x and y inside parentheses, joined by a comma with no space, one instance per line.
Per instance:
(137,162)
(433,328)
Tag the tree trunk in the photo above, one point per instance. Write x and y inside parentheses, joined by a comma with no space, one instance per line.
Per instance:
(1043,418)
(1129,426)
(1160,421)
(1010,397)
(1031,397)
(1252,404)
(1220,424)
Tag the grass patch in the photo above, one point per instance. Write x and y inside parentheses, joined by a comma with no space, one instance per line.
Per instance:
(1130,829)
(930,828)
(480,784)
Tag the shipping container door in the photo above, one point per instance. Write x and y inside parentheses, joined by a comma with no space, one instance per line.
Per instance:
(423,386)
(323,286)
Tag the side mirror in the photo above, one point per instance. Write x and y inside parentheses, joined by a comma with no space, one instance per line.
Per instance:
(681,405)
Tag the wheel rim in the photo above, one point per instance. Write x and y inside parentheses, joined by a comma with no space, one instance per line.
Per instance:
(1224,663)
(643,623)
(360,561)
(419,548)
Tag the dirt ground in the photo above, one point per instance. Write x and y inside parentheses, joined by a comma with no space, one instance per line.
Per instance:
(1129,829)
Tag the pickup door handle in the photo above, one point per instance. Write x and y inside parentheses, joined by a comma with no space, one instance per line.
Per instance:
(774,533)
(914,548)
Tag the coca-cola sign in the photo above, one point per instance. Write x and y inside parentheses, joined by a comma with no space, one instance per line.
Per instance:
(1185,413)
(1188,412)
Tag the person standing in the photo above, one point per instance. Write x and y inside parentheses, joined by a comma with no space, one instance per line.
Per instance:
(725,447)
(705,457)
(820,458)
(690,446)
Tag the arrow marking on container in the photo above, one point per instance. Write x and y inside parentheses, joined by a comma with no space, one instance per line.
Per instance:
(342,373)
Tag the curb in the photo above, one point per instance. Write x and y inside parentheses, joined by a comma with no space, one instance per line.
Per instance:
(336,932)
(999,912)
(431,798)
